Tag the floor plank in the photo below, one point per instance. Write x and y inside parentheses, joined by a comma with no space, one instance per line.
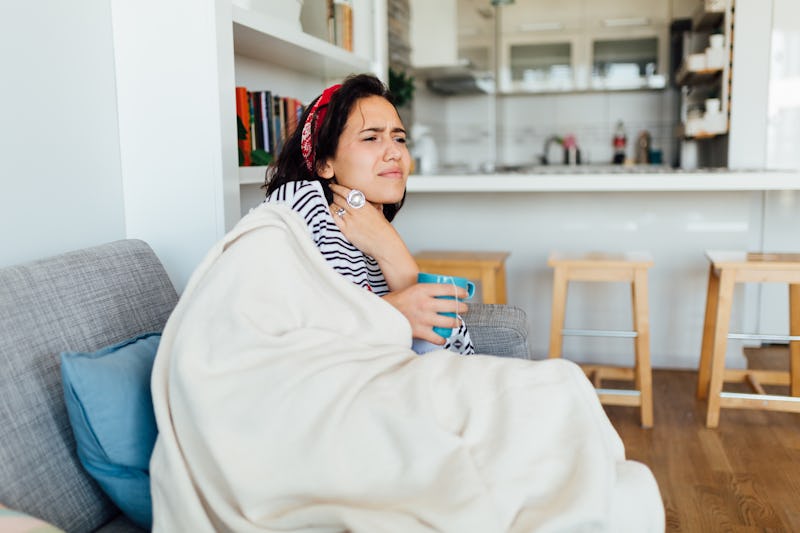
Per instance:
(743,476)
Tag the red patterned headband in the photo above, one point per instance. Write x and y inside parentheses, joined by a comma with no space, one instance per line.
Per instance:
(315,118)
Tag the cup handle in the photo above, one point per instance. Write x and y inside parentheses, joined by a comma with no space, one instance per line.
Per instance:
(470,289)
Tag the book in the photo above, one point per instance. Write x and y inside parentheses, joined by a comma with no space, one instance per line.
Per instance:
(264,121)
(261,153)
(256,131)
(277,121)
(243,126)
(340,23)
(265,127)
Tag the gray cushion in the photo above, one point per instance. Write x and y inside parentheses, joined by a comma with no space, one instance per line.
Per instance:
(498,330)
(78,301)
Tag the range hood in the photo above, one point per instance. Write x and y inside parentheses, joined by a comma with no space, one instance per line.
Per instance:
(457,79)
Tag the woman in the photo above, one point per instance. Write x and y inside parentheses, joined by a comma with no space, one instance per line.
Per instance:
(287,399)
(345,171)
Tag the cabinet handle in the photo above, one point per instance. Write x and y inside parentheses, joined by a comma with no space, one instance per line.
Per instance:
(541,26)
(626,21)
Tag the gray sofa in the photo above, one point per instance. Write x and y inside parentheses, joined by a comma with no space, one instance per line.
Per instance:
(82,301)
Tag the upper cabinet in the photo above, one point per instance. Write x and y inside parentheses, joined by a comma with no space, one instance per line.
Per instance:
(433,33)
(541,16)
(551,45)
(604,14)
(555,45)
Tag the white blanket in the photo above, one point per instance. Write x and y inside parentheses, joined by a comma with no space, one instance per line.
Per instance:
(288,399)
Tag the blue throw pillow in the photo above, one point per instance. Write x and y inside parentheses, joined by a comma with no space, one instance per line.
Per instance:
(107,393)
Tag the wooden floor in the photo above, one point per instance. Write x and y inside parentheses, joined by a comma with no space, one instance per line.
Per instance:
(742,477)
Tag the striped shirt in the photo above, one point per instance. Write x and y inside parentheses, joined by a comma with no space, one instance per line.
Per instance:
(308,200)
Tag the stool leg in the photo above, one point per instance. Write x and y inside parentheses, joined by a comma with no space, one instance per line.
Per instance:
(722,322)
(794,330)
(641,324)
(709,325)
(557,311)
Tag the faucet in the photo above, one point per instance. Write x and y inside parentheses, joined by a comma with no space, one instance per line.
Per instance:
(547,142)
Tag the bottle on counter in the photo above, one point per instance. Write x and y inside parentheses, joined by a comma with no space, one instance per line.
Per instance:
(572,154)
(643,142)
(619,142)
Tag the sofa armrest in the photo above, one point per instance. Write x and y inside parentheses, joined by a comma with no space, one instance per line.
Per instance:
(498,330)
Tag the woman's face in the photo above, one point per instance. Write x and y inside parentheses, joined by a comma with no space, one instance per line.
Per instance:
(372,155)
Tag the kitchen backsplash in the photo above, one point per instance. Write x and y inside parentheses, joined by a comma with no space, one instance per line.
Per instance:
(460,126)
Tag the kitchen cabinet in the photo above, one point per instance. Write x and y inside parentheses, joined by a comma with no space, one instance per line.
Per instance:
(630,62)
(475,34)
(432,31)
(541,64)
(544,45)
(566,45)
(535,16)
(625,13)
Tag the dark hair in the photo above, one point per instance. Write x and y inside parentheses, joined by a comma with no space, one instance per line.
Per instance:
(290,164)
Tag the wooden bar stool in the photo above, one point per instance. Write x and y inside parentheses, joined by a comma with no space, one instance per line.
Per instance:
(727,269)
(486,268)
(631,267)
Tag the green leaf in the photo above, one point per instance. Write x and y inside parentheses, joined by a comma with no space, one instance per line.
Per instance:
(401,85)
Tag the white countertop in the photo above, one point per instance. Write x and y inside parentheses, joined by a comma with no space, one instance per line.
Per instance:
(589,179)
(711,180)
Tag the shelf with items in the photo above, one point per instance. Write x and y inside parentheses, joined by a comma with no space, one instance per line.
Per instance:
(703,76)
(704,19)
(688,132)
(257,36)
(296,61)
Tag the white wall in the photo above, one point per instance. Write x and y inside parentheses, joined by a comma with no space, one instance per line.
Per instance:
(747,146)
(175,94)
(783,112)
(60,184)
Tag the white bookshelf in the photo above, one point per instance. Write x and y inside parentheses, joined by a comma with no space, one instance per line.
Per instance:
(270,54)
(177,64)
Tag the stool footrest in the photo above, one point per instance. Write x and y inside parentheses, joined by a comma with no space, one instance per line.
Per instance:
(765,377)
(758,336)
(622,392)
(770,402)
(609,372)
(599,333)
(619,397)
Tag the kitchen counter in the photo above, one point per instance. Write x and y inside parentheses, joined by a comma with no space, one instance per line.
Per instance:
(673,215)
(608,178)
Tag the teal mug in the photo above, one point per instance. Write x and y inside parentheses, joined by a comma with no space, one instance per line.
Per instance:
(464,283)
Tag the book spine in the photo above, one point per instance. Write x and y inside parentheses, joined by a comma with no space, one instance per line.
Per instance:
(277,120)
(270,107)
(252,123)
(243,125)
(257,131)
(262,105)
